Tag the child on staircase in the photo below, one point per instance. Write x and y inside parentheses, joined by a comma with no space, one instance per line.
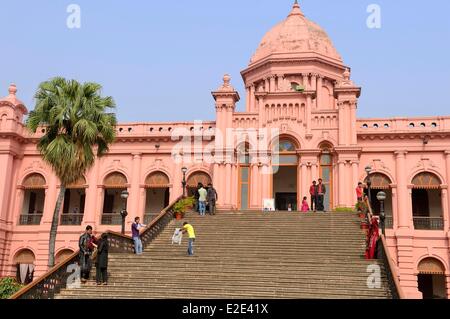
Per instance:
(305,206)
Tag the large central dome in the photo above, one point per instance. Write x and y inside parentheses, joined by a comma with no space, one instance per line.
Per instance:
(296,35)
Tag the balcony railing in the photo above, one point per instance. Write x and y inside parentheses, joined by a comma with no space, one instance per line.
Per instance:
(30,219)
(111,219)
(71,219)
(428,223)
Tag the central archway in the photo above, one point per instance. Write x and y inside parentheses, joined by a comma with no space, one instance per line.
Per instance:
(157,185)
(285,174)
(196,178)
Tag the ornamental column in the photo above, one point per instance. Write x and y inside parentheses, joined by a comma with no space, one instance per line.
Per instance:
(247,101)
(252,98)
(304,183)
(404,217)
(341,179)
(272,84)
(355,178)
(308,114)
(319,92)
(305,82)
(135,196)
(254,185)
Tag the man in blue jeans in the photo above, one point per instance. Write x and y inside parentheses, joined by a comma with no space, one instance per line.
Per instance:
(135,231)
(203,193)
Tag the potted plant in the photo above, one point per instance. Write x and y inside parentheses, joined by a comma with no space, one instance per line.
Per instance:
(179,209)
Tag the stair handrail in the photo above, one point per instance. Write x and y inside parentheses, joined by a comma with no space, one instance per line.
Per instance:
(158,224)
(51,283)
(391,269)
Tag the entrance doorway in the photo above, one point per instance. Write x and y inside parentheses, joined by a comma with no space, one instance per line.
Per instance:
(285,187)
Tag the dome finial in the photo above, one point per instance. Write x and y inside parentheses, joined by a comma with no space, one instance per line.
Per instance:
(12,89)
(296,9)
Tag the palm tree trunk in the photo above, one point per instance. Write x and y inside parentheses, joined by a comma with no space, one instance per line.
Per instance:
(54,228)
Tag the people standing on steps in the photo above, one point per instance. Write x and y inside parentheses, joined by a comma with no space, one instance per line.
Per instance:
(202,196)
(189,229)
(86,249)
(136,235)
(102,260)
(305,206)
(313,193)
(360,194)
(321,191)
(212,198)
(196,197)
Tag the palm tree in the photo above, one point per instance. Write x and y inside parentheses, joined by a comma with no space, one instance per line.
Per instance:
(77,126)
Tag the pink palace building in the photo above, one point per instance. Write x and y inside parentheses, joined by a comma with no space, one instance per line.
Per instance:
(300,123)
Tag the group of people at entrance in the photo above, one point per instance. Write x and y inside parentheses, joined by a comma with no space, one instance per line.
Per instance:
(205,198)
(317,192)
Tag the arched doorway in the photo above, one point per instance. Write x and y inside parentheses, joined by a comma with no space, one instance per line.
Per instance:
(426,202)
(285,174)
(194,179)
(114,184)
(63,255)
(24,261)
(326,173)
(431,279)
(34,199)
(74,202)
(243,159)
(157,195)
(380,182)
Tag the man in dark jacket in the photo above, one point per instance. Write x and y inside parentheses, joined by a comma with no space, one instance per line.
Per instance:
(102,260)
(197,196)
(211,198)
(86,248)
(321,191)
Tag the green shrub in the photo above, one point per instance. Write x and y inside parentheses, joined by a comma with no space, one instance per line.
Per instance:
(8,287)
(344,210)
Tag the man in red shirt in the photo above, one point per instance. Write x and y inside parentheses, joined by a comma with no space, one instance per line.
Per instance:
(313,193)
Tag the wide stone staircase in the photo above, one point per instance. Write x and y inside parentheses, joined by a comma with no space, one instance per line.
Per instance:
(248,255)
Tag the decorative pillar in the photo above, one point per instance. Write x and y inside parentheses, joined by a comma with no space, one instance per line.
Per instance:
(252,98)
(228,188)
(402,191)
(305,82)
(353,135)
(254,186)
(304,183)
(308,114)
(319,92)
(90,209)
(444,203)
(267,85)
(447,169)
(234,185)
(341,115)
(247,101)
(272,84)
(341,180)
(314,172)
(134,187)
(355,178)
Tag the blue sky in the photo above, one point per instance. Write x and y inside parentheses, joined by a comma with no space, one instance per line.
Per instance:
(161,59)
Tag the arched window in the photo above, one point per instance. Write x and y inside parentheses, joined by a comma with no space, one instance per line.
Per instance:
(427,202)
(157,185)
(114,184)
(243,153)
(74,202)
(381,182)
(431,279)
(34,199)
(63,255)
(24,261)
